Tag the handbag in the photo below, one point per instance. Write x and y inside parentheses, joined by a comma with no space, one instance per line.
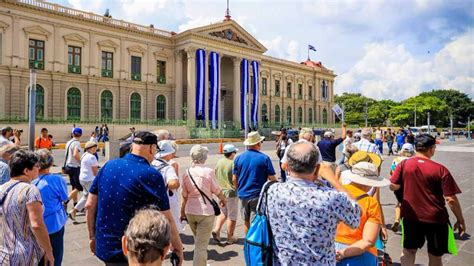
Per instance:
(215,205)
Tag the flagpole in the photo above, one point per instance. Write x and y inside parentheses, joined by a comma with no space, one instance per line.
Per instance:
(308,54)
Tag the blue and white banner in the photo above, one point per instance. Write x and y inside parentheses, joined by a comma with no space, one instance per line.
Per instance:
(200,84)
(254,118)
(244,81)
(214,89)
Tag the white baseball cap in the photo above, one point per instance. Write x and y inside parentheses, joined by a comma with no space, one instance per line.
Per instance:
(228,148)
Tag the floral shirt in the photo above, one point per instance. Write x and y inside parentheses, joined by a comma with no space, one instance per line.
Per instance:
(304,217)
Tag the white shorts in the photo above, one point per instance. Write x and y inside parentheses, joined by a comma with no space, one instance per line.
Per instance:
(231,208)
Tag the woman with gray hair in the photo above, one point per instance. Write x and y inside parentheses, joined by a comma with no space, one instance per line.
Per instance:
(196,208)
(53,191)
(147,238)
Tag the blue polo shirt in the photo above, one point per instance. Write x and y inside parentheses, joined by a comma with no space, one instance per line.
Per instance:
(53,191)
(252,169)
(327,147)
(123,186)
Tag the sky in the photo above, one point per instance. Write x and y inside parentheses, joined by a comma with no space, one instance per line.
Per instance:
(384,49)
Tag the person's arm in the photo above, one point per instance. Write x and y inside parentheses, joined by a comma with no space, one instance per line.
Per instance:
(344,130)
(76,154)
(454,205)
(272,178)
(37,143)
(175,239)
(95,170)
(338,174)
(91,212)
(369,237)
(234,181)
(396,179)
(384,229)
(325,171)
(270,170)
(35,214)
(173,184)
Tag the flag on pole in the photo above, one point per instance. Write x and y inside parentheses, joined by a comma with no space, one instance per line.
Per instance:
(310,47)
(214,89)
(255,92)
(337,110)
(244,93)
(200,84)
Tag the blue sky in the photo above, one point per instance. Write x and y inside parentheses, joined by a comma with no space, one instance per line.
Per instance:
(390,49)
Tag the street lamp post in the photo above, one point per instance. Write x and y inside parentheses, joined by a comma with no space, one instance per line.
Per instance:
(32,113)
(415,116)
(366,114)
(429,125)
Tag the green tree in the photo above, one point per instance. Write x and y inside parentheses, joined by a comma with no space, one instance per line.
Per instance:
(354,105)
(404,113)
(459,104)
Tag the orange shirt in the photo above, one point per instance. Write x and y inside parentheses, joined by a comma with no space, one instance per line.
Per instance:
(371,212)
(43,143)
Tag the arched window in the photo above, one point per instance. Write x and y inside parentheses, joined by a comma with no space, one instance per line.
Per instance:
(300,115)
(277,114)
(160,107)
(325,116)
(264,113)
(135,106)
(39,111)
(324,90)
(106,105)
(288,115)
(74,104)
(310,116)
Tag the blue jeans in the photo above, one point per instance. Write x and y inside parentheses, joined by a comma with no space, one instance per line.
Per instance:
(390,147)
(57,242)
(379,144)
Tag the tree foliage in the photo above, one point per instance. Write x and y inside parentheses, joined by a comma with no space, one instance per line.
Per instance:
(439,103)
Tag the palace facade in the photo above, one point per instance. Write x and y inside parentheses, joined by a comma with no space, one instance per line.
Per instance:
(91,66)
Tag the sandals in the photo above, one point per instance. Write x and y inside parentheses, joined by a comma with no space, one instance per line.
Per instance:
(216,237)
(231,240)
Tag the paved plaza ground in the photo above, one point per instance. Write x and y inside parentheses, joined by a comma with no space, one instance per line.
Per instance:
(457,156)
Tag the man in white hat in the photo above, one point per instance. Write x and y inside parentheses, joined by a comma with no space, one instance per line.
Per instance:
(162,163)
(327,146)
(224,179)
(251,170)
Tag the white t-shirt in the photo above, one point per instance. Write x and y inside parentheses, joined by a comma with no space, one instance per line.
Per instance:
(378,134)
(88,161)
(4,141)
(169,174)
(70,160)
(284,159)
(283,144)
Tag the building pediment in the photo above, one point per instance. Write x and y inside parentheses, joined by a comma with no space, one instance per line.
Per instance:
(74,37)
(3,26)
(107,44)
(231,32)
(38,30)
(136,49)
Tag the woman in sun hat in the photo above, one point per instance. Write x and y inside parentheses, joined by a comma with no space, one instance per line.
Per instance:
(357,246)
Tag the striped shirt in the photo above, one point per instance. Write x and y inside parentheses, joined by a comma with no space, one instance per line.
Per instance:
(19,244)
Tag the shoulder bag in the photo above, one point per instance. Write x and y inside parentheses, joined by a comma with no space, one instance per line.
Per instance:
(215,205)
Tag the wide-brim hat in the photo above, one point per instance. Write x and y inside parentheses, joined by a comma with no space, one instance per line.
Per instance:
(363,156)
(90,144)
(365,173)
(253,138)
(165,149)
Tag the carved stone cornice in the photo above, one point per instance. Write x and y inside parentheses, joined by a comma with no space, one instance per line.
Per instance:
(3,26)
(74,37)
(136,49)
(37,30)
(108,44)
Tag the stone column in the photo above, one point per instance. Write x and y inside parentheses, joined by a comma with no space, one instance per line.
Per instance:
(123,61)
(16,44)
(178,86)
(92,55)
(191,82)
(236,91)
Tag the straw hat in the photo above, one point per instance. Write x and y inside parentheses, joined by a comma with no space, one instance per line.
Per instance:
(253,138)
(363,156)
(365,173)
(90,144)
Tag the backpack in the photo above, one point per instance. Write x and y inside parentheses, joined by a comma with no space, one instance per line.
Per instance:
(258,246)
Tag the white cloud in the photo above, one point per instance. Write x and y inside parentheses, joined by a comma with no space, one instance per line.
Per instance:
(389,71)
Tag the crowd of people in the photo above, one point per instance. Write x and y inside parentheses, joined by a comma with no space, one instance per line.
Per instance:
(322,210)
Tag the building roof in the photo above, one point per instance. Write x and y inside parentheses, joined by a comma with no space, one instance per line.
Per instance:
(314,64)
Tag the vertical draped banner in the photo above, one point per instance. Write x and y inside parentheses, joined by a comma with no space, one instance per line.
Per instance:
(244,93)
(200,84)
(214,89)
(254,117)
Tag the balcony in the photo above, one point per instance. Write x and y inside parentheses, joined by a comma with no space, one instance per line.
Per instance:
(74,69)
(35,64)
(300,97)
(161,79)
(136,76)
(107,73)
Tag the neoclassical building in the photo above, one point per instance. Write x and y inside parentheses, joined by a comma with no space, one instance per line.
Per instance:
(91,66)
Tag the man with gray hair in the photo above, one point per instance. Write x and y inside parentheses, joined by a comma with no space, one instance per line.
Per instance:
(306,135)
(365,144)
(163,134)
(304,214)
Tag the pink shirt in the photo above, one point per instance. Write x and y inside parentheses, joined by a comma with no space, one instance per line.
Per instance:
(205,179)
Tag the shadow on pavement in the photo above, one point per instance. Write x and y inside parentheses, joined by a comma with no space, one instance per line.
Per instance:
(465,237)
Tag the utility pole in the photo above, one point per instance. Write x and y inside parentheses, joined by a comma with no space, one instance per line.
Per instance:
(366,116)
(469,127)
(429,126)
(451,123)
(415,116)
(32,111)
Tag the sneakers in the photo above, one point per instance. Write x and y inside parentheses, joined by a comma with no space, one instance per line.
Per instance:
(216,237)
